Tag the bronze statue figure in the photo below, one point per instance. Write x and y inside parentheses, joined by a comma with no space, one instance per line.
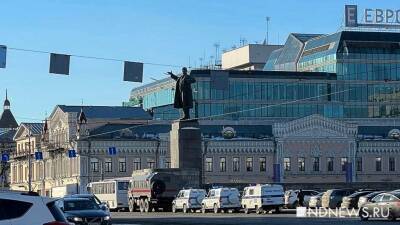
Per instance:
(183,92)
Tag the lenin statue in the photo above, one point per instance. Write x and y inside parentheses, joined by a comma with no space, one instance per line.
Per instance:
(183,92)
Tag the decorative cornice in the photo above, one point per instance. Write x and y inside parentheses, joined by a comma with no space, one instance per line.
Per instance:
(315,123)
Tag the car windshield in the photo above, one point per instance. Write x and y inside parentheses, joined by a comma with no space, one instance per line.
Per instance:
(73,205)
(373,194)
(357,194)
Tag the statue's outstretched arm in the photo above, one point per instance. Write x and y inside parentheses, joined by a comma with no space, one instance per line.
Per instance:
(173,76)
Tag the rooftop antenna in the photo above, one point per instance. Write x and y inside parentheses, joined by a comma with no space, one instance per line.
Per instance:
(243,41)
(267,19)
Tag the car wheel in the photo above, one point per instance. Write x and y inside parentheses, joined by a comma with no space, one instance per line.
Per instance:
(131,205)
(184,209)
(246,210)
(216,210)
(258,210)
(203,208)
(173,208)
(277,210)
(147,206)
(141,206)
(391,217)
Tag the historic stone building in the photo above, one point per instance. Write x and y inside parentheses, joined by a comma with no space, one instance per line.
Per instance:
(8,125)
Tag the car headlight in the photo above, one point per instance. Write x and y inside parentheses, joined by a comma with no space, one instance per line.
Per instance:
(75,219)
(106,218)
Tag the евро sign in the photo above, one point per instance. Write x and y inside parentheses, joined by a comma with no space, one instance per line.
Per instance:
(372,17)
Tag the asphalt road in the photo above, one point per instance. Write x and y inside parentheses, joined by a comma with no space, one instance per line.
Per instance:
(234,219)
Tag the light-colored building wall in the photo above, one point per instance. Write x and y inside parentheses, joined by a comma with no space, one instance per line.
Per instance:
(248,57)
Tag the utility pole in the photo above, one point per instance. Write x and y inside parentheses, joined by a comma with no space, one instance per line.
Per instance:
(267,18)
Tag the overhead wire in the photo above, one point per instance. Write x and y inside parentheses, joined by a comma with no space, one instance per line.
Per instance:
(92,57)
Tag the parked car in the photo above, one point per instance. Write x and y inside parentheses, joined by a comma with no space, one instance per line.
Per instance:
(383,205)
(83,211)
(351,201)
(295,198)
(93,198)
(366,198)
(221,199)
(315,201)
(333,198)
(262,198)
(25,208)
(188,200)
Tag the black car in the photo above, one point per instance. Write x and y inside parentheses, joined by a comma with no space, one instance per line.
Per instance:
(91,197)
(82,211)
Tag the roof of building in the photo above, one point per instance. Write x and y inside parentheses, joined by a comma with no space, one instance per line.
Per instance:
(305,37)
(112,112)
(7,136)
(381,131)
(149,131)
(7,120)
(35,128)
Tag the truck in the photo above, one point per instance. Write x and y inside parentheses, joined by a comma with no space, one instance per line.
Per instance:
(61,191)
(155,189)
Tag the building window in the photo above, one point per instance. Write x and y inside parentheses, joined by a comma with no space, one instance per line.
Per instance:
(122,164)
(94,164)
(136,164)
(263,164)
(302,163)
(316,163)
(359,164)
(343,163)
(236,164)
(329,163)
(209,164)
(108,165)
(222,164)
(392,164)
(286,164)
(249,164)
(378,164)
(151,164)
(167,164)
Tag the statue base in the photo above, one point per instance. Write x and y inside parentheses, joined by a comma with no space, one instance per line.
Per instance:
(185,144)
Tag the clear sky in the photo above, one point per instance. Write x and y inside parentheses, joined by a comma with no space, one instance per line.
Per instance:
(157,31)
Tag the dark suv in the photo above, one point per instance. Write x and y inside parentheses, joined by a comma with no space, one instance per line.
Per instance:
(333,198)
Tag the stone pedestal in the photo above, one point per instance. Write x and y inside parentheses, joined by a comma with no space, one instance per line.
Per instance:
(185,145)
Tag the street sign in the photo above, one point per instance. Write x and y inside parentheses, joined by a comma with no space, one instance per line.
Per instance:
(5,157)
(39,155)
(112,150)
(71,153)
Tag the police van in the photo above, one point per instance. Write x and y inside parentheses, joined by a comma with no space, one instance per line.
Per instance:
(262,198)
(221,200)
(188,200)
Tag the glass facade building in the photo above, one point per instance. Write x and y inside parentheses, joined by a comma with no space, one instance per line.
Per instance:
(348,74)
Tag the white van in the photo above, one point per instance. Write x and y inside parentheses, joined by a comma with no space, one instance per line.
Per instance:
(221,199)
(188,200)
(262,198)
